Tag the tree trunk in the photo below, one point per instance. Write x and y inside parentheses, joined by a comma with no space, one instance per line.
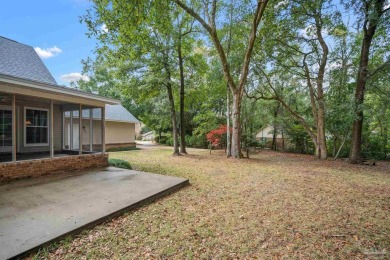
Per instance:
(371,19)
(182,116)
(236,135)
(321,138)
(275,130)
(173,118)
(173,112)
(228,116)
(341,147)
(274,139)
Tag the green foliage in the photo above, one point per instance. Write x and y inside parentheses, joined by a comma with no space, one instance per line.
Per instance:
(162,140)
(197,141)
(121,149)
(169,141)
(119,163)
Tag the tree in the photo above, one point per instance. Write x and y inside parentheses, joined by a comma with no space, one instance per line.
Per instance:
(140,39)
(236,87)
(298,48)
(373,15)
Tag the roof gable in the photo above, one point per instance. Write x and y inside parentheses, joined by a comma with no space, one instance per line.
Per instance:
(21,61)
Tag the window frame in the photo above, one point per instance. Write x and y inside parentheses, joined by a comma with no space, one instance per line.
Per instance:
(25,127)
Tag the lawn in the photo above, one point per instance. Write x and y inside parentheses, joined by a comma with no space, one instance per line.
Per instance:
(273,205)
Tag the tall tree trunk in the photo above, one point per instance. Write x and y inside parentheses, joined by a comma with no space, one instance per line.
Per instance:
(173,119)
(236,137)
(275,130)
(369,28)
(172,110)
(228,112)
(321,138)
(228,128)
(182,115)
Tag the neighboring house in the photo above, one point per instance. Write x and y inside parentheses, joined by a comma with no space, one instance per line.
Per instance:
(265,135)
(39,119)
(149,136)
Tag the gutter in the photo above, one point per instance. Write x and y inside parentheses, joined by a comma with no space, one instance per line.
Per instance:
(56,89)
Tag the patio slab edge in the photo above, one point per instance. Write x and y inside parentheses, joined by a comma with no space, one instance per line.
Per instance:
(132,207)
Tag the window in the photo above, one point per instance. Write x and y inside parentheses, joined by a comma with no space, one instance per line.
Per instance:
(36,126)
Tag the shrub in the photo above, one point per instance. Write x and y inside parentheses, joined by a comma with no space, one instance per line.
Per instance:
(163,139)
(121,149)
(169,141)
(119,163)
(197,141)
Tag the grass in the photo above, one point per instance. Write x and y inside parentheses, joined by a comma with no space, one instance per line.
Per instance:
(273,205)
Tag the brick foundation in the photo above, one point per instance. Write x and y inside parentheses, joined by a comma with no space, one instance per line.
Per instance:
(122,145)
(39,167)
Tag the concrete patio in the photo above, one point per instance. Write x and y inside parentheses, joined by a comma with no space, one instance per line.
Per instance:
(34,212)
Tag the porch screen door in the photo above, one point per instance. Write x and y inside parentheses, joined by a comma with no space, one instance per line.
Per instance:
(5,130)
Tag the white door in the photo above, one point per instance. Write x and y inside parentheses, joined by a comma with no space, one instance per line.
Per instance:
(76,134)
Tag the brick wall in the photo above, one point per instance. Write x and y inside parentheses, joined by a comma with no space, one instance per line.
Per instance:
(39,167)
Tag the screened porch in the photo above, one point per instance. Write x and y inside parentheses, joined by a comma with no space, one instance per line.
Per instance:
(35,128)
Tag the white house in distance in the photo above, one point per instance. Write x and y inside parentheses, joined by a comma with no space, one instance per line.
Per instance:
(149,136)
(266,134)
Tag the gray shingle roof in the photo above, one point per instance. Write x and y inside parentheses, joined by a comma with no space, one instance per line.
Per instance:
(119,113)
(21,61)
(113,113)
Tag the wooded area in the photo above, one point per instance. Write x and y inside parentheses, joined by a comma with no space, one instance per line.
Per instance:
(317,71)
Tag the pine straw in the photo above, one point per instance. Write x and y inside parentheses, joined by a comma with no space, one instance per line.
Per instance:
(273,205)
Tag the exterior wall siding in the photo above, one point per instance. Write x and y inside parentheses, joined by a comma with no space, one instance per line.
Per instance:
(39,167)
(120,132)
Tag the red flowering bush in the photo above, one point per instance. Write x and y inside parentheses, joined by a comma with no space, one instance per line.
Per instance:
(217,137)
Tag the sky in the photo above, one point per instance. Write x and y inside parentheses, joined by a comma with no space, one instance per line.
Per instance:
(53,28)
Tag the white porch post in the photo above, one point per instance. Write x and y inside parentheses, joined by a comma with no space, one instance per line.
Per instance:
(51,129)
(80,130)
(14,128)
(103,130)
(90,129)
(71,131)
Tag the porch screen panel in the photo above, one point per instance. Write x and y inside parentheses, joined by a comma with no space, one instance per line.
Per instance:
(37,126)
(75,131)
(66,131)
(5,127)
(86,129)
(97,130)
